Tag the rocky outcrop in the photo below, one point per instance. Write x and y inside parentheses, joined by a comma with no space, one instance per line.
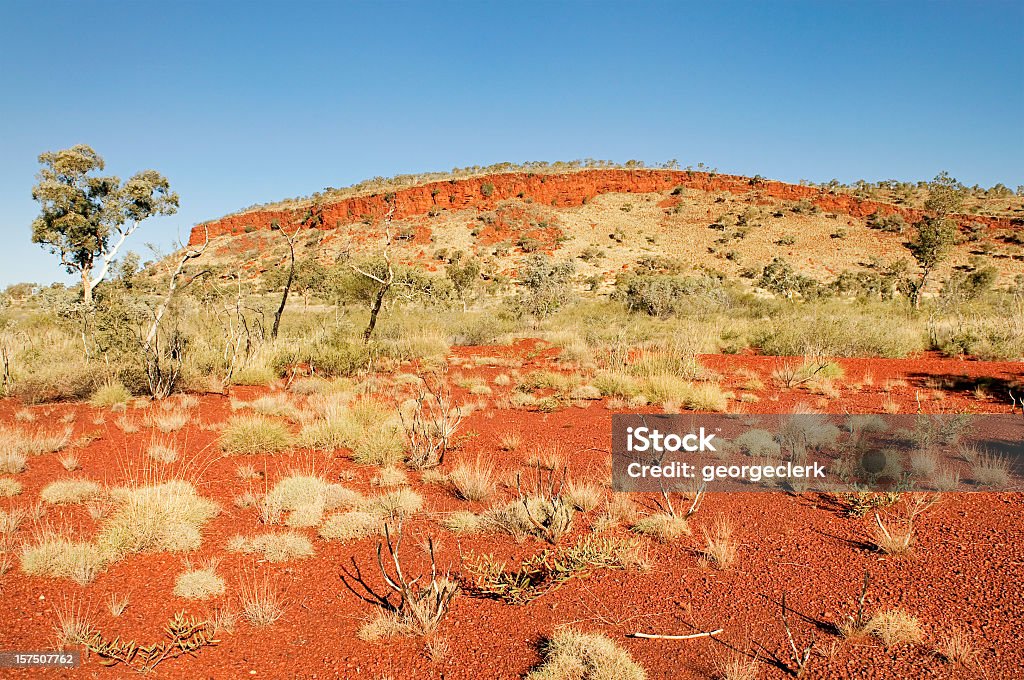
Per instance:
(568,189)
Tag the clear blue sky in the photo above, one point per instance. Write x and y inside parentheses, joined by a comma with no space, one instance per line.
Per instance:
(239,103)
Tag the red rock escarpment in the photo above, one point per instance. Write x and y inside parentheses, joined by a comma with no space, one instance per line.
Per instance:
(569,189)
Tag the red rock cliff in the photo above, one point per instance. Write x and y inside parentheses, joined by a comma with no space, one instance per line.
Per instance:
(567,189)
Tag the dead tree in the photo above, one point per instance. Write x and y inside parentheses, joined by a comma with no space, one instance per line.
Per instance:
(164,362)
(388,279)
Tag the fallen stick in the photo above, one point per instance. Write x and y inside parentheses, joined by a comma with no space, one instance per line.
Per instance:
(655,636)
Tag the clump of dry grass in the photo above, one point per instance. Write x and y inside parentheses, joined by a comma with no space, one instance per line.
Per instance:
(572,655)
(584,496)
(117,604)
(262,601)
(58,556)
(69,491)
(12,462)
(463,522)
(199,583)
(275,547)
(170,421)
(366,427)
(509,441)
(306,497)
(390,476)
(991,470)
(737,667)
(74,624)
(894,627)
(161,517)
(473,482)
(127,424)
(42,441)
(662,526)
(346,526)
(255,434)
(162,450)
(395,504)
(69,461)
(9,487)
(720,549)
(109,394)
(957,648)
(618,510)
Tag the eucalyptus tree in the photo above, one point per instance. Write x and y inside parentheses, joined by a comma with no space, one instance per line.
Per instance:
(86,216)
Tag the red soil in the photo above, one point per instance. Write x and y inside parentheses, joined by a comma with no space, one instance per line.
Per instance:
(964,572)
(570,189)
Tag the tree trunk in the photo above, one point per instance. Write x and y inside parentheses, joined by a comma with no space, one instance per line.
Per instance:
(377,304)
(86,287)
(287,289)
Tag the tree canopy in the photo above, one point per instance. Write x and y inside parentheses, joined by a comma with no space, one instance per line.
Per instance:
(86,217)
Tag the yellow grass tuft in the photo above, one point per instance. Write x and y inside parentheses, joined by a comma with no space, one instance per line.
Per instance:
(572,655)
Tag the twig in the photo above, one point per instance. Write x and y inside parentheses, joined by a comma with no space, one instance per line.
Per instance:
(656,636)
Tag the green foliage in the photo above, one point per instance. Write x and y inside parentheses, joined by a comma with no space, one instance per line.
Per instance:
(780,277)
(945,195)
(83,214)
(546,286)
(934,240)
(664,294)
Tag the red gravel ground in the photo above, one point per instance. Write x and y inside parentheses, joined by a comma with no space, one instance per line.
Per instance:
(964,572)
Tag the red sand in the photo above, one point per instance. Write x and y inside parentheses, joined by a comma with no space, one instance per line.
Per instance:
(965,571)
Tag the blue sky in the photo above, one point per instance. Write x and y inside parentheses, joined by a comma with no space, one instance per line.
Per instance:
(240,103)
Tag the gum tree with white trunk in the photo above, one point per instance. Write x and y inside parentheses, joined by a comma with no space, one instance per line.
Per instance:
(86,217)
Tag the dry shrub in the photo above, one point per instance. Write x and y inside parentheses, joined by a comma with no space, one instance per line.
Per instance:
(463,522)
(572,655)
